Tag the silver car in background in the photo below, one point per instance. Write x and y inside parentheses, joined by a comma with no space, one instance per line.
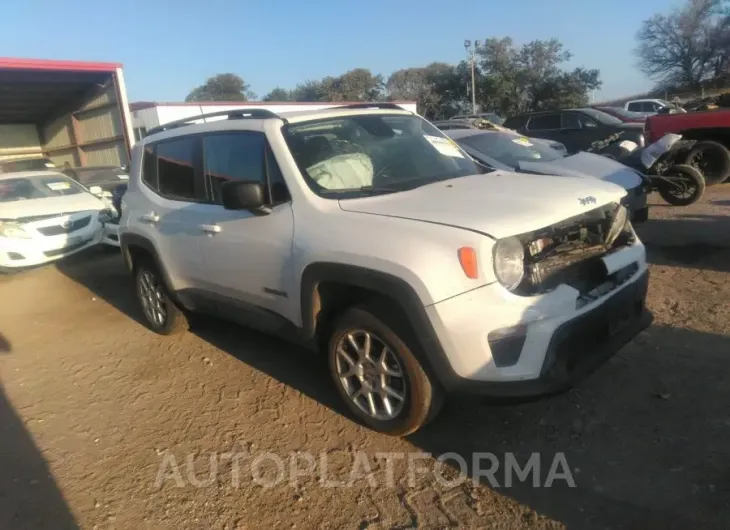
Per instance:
(512,152)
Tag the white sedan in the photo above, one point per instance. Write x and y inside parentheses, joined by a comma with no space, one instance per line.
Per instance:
(45,216)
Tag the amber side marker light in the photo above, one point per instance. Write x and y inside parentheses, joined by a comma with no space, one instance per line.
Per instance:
(468,261)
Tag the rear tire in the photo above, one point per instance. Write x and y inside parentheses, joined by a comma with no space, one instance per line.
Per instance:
(712,159)
(371,345)
(160,312)
(694,184)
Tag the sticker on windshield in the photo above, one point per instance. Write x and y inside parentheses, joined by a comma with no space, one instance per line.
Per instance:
(444,146)
(58,186)
(50,164)
(522,141)
(123,177)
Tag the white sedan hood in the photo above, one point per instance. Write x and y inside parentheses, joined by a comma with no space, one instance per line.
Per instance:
(498,204)
(78,202)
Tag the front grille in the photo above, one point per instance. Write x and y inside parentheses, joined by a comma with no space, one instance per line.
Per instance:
(57,230)
(571,252)
(64,250)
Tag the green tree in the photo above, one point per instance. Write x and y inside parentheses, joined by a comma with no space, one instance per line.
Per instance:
(359,84)
(309,91)
(688,45)
(222,87)
(277,94)
(513,80)
(439,88)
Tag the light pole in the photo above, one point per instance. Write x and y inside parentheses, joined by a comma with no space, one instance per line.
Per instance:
(472,59)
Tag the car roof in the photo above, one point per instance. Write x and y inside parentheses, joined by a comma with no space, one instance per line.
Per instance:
(35,173)
(257,123)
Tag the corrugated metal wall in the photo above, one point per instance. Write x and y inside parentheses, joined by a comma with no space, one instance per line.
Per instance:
(92,135)
(19,140)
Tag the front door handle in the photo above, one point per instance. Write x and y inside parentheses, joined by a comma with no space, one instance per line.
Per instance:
(210,229)
(151,217)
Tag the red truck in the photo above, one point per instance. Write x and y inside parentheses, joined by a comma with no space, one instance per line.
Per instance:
(705,139)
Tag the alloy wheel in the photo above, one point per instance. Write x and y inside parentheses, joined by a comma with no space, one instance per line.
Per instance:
(370,374)
(152,297)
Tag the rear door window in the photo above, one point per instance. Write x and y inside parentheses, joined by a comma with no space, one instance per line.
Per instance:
(545,122)
(177,171)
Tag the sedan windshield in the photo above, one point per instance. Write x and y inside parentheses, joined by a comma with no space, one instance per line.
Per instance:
(510,149)
(602,117)
(37,187)
(374,153)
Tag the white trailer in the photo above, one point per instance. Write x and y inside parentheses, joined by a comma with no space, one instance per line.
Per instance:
(148,115)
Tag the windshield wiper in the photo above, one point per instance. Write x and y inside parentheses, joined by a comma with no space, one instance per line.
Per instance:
(369,190)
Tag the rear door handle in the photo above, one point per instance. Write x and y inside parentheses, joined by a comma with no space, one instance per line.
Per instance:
(151,217)
(210,229)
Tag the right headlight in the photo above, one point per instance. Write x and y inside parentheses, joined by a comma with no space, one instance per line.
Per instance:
(509,262)
(618,225)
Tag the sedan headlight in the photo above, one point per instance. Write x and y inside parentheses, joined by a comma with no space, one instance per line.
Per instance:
(509,262)
(13,230)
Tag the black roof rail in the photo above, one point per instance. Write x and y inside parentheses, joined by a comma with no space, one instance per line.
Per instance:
(385,106)
(236,114)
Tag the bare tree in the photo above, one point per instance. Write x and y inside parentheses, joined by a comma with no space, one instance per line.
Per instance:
(686,46)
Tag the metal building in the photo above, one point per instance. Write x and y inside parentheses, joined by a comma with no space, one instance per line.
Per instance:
(73,112)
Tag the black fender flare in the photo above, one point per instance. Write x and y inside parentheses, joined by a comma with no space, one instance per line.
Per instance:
(430,351)
(128,241)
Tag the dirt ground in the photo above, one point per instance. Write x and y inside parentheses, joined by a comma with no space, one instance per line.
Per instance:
(105,425)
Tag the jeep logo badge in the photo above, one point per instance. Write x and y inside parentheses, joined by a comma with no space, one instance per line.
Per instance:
(587,200)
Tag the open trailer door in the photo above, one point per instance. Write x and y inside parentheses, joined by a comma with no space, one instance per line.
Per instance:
(75,113)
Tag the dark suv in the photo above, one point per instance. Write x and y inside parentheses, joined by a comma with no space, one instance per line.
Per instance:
(576,128)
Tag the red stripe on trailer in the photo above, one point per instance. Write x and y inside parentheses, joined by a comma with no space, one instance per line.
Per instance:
(47,64)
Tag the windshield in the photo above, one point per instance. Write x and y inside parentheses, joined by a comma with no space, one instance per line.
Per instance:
(37,187)
(510,149)
(29,164)
(604,118)
(374,152)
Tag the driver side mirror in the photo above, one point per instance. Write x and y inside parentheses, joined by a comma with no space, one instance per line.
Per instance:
(244,195)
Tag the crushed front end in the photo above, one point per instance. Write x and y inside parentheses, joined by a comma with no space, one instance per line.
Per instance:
(581,298)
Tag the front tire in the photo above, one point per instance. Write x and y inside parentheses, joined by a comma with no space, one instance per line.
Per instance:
(161,314)
(377,375)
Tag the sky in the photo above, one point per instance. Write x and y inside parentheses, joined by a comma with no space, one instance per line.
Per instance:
(169,47)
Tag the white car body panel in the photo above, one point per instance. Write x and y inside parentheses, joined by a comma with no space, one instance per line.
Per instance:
(499,204)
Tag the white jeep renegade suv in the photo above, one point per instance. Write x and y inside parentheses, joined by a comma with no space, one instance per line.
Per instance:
(366,232)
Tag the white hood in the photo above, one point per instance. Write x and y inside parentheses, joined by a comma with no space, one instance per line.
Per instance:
(78,202)
(498,204)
